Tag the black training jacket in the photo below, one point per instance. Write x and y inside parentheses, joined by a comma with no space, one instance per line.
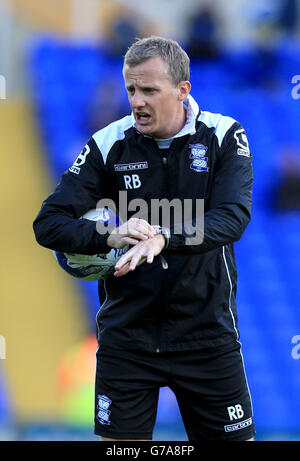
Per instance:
(192,303)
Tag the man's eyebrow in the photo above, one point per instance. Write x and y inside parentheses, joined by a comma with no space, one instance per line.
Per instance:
(142,87)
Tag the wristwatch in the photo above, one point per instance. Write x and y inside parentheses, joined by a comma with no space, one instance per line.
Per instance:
(165,232)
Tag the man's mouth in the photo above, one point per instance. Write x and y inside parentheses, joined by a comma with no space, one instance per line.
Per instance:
(142,117)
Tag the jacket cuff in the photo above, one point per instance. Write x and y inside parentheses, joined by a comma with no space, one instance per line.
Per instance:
(176,242)
(100,243)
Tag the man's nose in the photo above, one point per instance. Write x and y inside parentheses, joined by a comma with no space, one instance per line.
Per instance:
(137,100)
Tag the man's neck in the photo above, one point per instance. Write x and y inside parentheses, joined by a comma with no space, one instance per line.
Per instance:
(181,123)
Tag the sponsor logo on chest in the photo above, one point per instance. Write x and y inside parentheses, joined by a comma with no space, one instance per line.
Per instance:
(131,181)
(131,166)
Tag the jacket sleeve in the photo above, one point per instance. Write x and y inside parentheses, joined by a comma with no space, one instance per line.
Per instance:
(57,226)
(229,204)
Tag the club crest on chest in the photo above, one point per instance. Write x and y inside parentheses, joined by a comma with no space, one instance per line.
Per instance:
(198,155)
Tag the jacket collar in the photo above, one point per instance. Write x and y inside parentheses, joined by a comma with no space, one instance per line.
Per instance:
(192,110)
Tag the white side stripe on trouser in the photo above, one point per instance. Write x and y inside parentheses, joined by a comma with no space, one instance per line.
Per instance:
(246,378)
(230,293)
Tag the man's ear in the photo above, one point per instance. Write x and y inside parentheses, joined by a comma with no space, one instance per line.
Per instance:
(184,88)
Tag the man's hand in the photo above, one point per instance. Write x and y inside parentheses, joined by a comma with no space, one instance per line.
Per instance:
(130,233)
(141,252)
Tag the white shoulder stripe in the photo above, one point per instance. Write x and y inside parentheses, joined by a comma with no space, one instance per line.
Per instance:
(113,132)
(220,122)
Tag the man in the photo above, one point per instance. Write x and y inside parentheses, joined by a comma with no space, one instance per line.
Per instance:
(168,315)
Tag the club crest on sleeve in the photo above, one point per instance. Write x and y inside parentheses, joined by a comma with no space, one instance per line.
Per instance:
(241,139)
(198,154)
(75,168)
(103,412)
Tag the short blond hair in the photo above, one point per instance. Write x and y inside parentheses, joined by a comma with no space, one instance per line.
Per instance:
(176,59)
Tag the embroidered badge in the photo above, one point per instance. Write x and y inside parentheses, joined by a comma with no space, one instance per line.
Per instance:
(103,412)
(198,154)
(75,168)
(241,139)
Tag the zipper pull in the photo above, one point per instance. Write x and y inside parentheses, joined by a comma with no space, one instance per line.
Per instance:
(164,160)
(163,262)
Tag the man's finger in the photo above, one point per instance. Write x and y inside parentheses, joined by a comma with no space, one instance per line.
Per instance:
(123,260)
(136,261)
(141,226)
(129,241)
(123,271)
(145,229)
(150,258)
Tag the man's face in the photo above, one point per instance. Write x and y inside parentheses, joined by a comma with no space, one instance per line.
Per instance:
(155,102)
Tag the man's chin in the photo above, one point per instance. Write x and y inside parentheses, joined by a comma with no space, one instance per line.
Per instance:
(145,129)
